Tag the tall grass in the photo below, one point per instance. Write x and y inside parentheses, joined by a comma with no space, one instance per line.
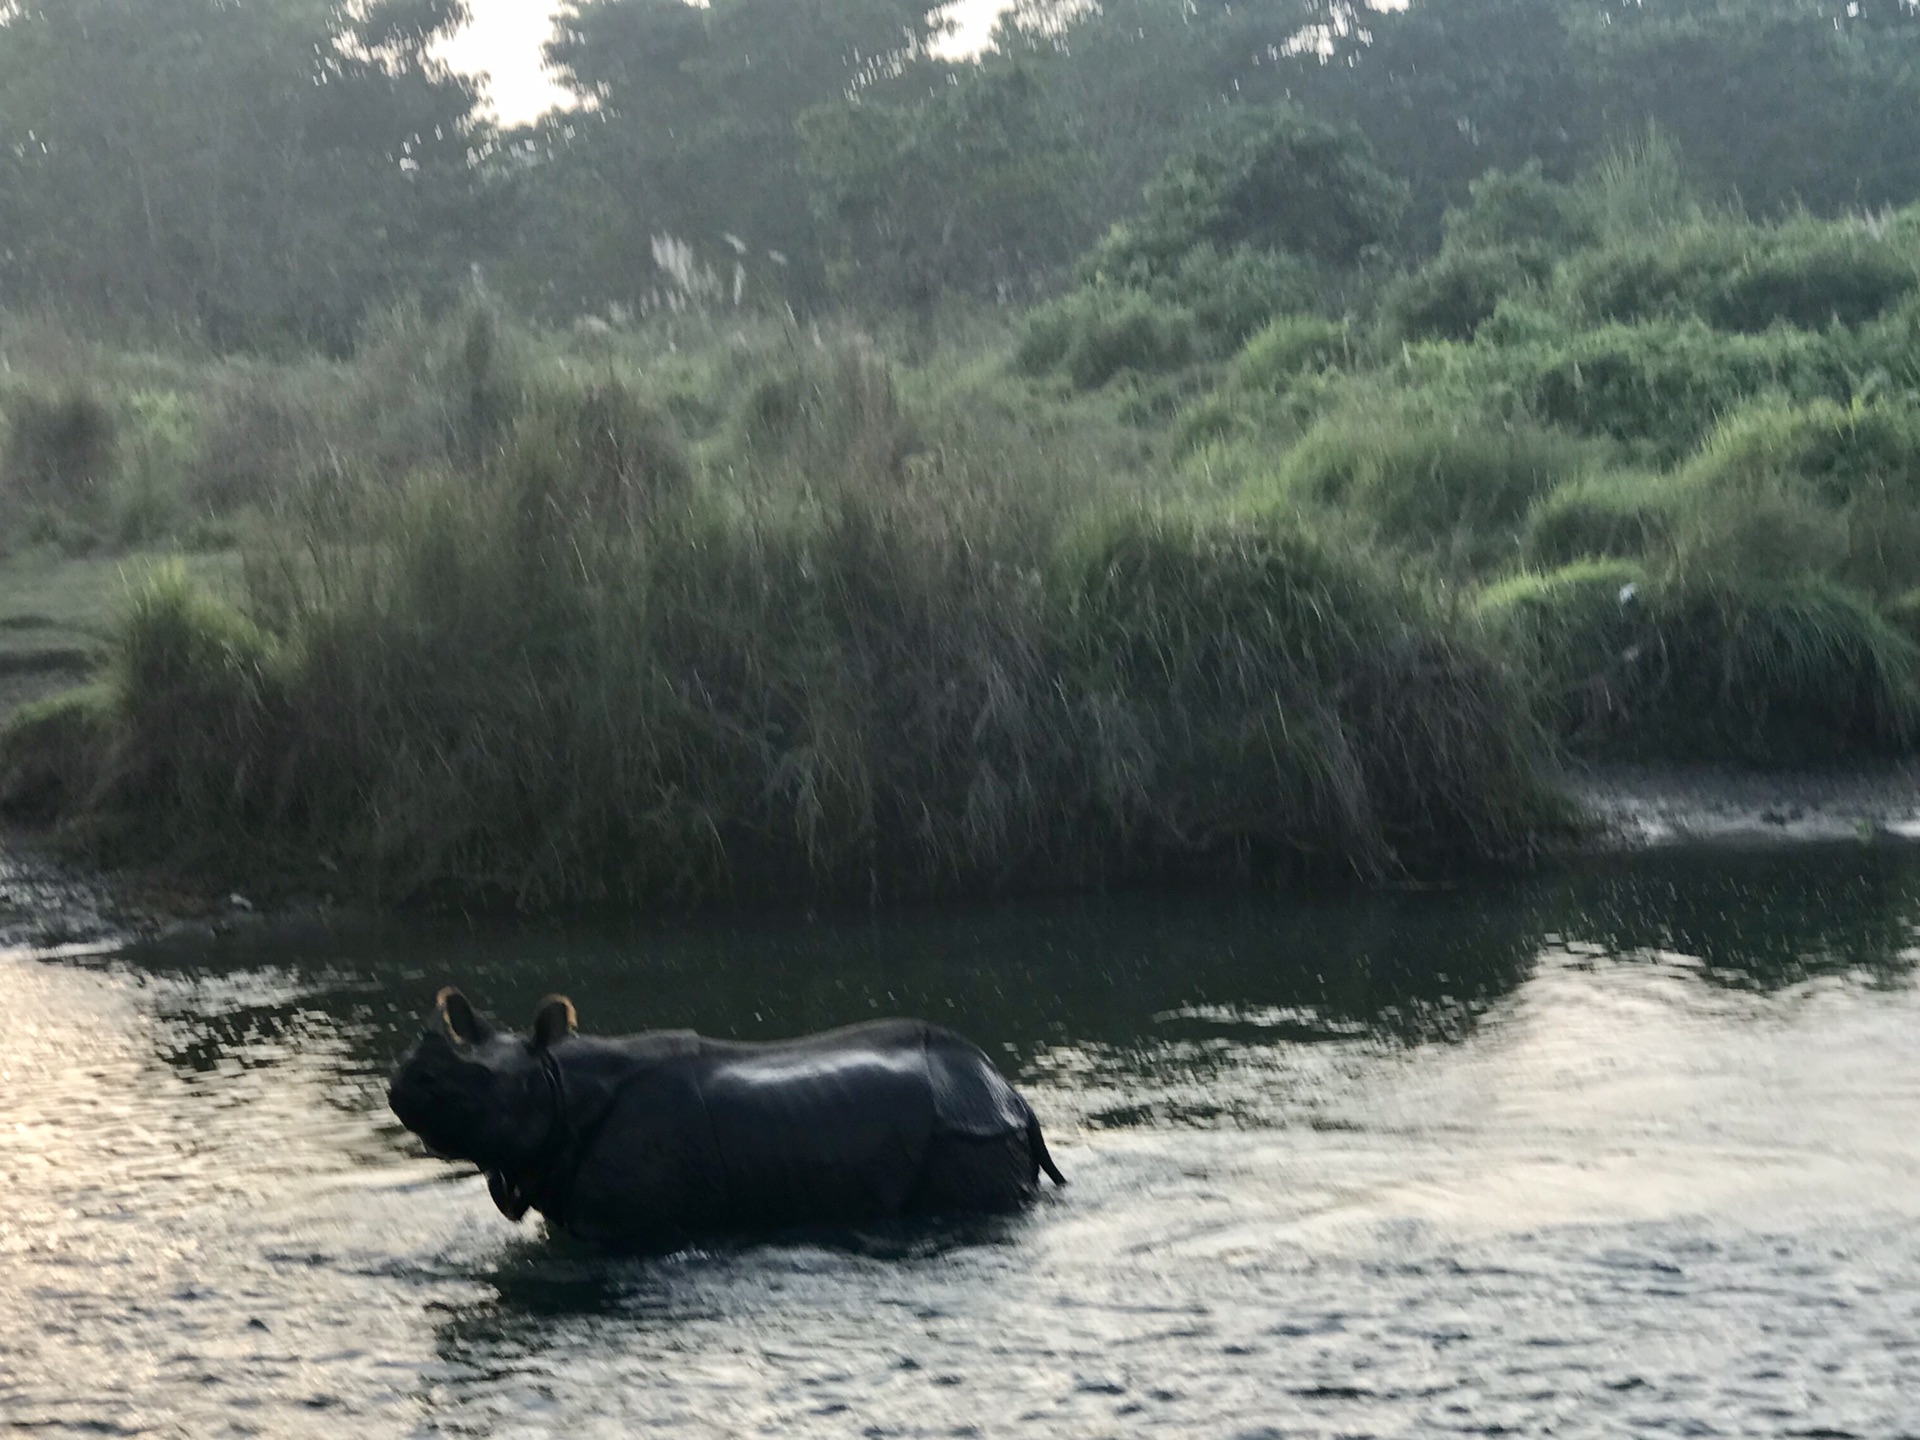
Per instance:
(1456,486)
(566,678)
(1782,671)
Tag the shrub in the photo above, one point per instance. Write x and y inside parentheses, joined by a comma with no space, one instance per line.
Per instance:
(61,445)
(161,441)
(1289,346)
(1735,276)
(1524,212)
(1610,515)
(53,754)
(1784,488)
(1576,633)
(1207,422)
(1272,179)
(833,413)
(427,391)
(1096,333)
(1663,386)
(1450,298)
(596,451)
(1460,486)
(260,435)
(1792,671)
(1769,671)
(1231,295)
(198,694)
(1248,685)
(1841,452)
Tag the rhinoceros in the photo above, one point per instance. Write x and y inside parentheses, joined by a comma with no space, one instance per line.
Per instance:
(651,1140)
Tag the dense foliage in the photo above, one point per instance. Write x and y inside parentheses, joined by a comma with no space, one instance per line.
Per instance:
(1189,437)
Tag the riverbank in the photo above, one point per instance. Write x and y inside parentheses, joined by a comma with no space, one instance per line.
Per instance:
(57,627)
(1640,806)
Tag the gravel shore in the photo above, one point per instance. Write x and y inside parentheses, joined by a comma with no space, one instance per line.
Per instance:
(1640,805)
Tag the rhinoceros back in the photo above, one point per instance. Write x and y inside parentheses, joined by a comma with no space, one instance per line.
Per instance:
(970,1097)
(813,1131)
(881,1119)
(845,1124)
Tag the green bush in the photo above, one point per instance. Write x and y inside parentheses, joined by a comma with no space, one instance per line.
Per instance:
(1768,670)
(831,413)
(1460,486)
(1232,295)
(62,445)
(260,434)
(1841,452)
(1247,684)
(1271,179)
(1820,488)
(1451,297)
(1523,212)
(54,754)
(1289,346)
(1663,386)
(424,391)
(199,695)
(1609,515)
(1577,633)
(1808,273)
(596,450)
(1096,333)
(1208,422)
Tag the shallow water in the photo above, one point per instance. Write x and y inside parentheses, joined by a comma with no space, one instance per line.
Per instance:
(1632,1151)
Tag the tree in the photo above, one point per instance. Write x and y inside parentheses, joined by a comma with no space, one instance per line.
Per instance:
(688,130)
(1273,179)
(971,190)
(248,172)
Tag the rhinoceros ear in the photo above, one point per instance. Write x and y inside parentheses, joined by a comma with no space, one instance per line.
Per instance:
(554,1021)
(456,1017)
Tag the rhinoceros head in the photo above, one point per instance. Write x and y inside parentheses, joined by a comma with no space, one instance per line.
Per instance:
(473,1093)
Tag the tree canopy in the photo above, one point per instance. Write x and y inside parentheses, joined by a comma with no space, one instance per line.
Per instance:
(261,172)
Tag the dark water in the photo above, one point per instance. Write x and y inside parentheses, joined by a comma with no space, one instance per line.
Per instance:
(1633,1151)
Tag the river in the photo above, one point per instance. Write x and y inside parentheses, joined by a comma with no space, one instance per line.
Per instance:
(1632,1148)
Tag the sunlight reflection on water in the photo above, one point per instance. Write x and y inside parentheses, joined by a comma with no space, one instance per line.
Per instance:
(1648,1157)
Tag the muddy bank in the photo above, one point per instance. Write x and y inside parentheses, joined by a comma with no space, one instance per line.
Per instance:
(43,906)
(1642,805)
(49,904)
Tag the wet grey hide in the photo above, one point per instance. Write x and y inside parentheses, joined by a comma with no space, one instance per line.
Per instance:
(648,1140)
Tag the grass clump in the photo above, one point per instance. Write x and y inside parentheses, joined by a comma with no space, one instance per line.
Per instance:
(1250,686)
(198,691)
(1603,515)
(1785,672)
(1742,277)
(1842,452)
(1661,387)
(61,443)
(1450,298)
(53,754)
(1815,488)
(598,451)
(914,687)
(1095,334)
(177,751)
(1290,346)
(1456,486)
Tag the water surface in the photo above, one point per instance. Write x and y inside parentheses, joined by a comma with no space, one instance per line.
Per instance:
(1633,1150)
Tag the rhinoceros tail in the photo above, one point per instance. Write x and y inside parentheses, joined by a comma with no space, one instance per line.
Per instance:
(1041,1159)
